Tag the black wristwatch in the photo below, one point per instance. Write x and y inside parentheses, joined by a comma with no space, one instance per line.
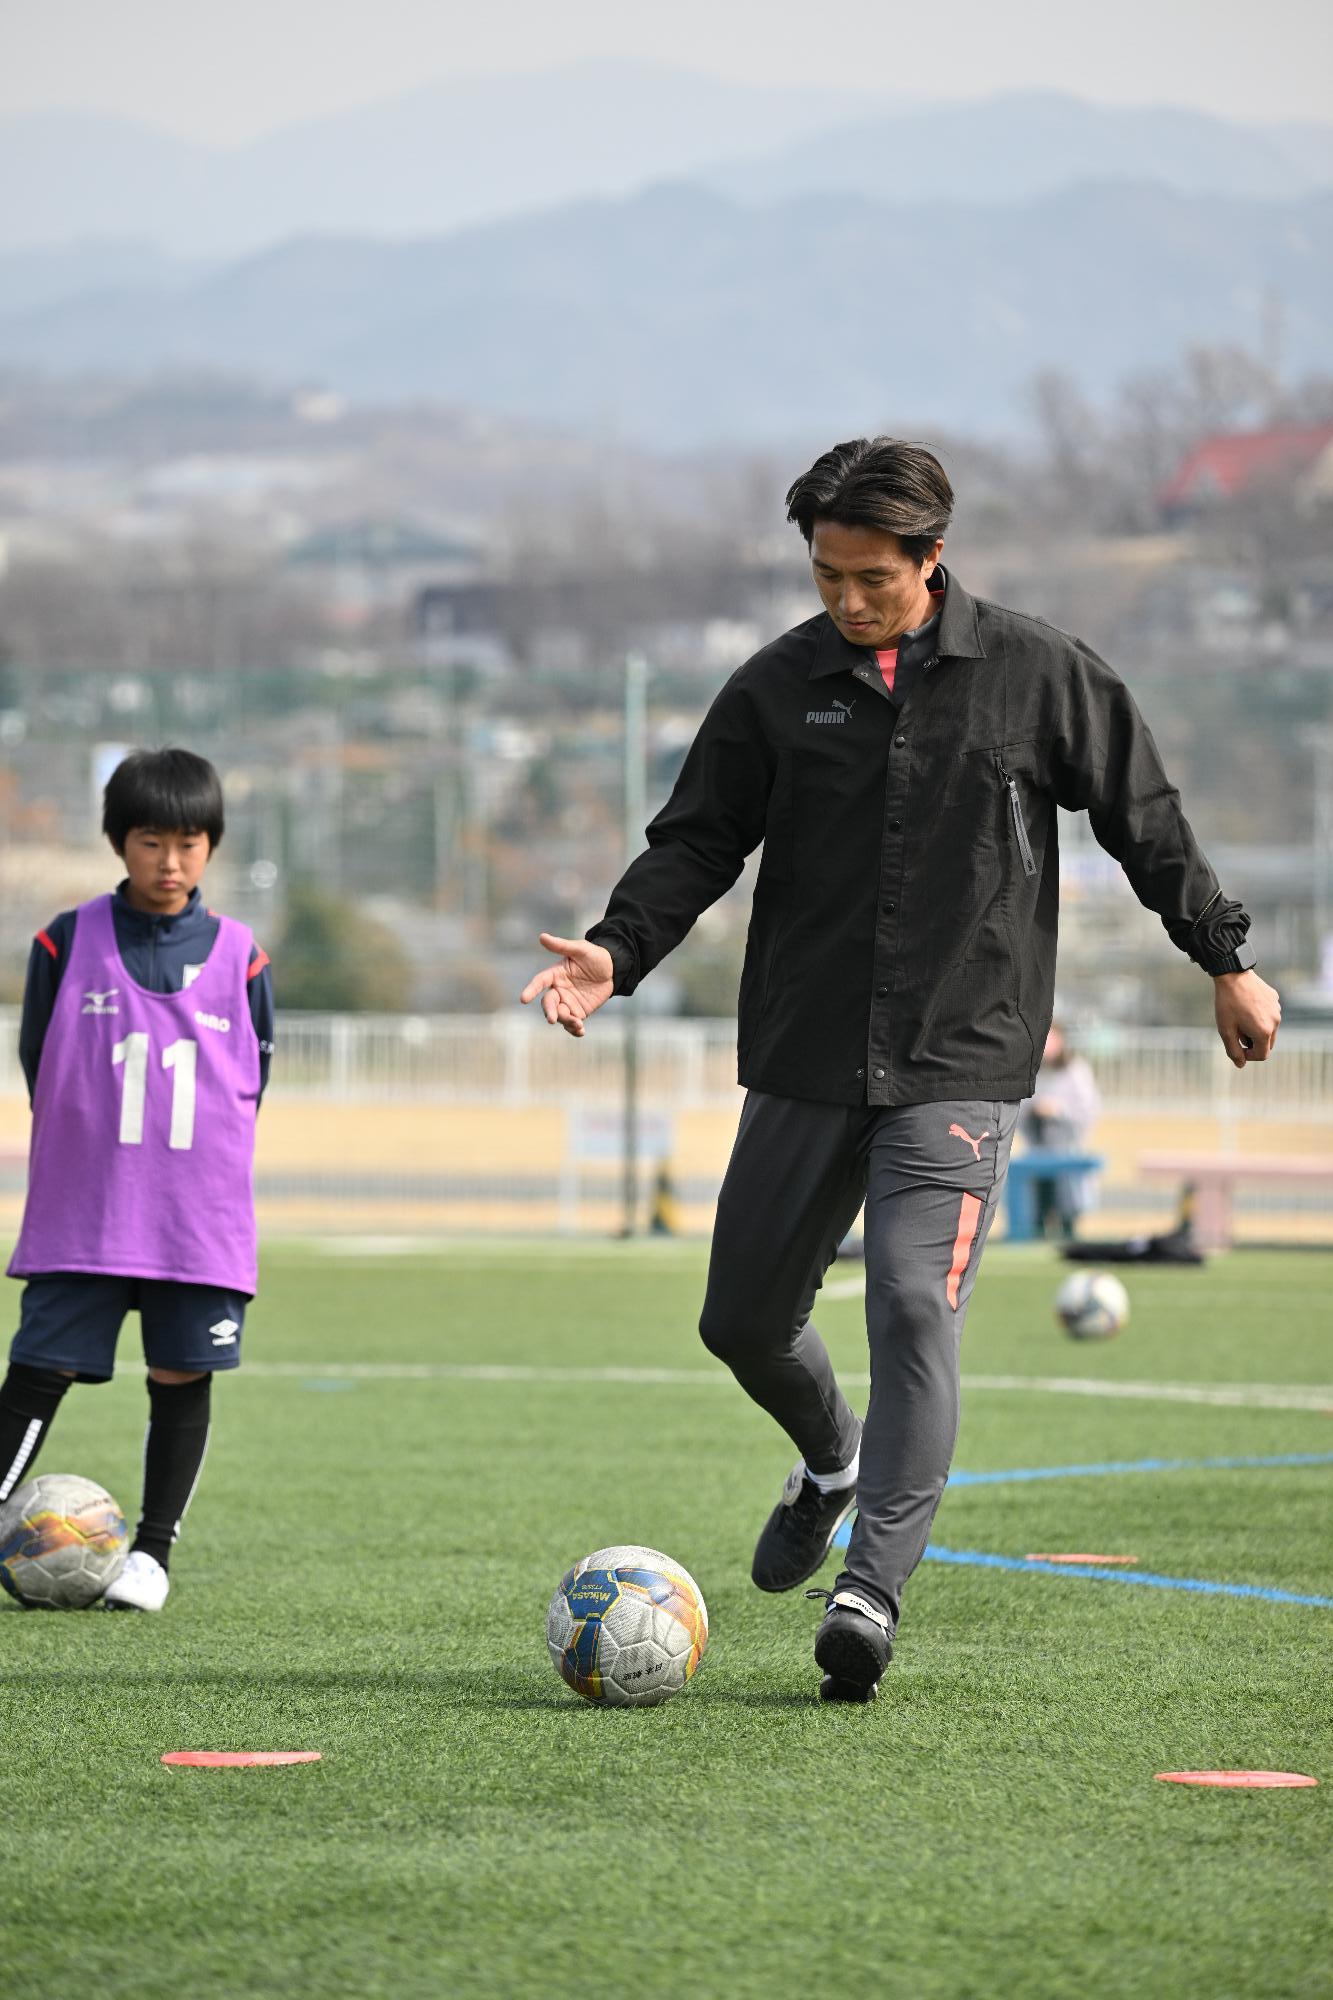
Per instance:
(1242,959)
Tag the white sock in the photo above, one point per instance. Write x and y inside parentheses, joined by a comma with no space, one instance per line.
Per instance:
(837,1482)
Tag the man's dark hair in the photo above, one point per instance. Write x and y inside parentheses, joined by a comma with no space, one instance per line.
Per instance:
(901,489)
(172,790)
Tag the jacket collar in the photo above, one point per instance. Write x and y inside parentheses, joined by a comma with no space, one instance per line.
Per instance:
(959,637)
(144,923)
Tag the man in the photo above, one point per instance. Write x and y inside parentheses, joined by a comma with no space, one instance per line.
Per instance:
(900,757)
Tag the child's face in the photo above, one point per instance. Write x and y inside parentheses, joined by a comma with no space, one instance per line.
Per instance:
(164,864)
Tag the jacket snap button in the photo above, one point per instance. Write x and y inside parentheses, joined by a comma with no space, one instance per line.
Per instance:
(895,826)
(860,1073)
(889,909)
(879,1076)
(882,992)
(899,741)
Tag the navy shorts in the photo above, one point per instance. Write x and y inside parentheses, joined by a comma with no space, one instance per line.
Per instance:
(71,1322)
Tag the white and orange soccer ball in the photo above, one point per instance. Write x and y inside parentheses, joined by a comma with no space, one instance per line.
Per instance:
(627,1626)
(62,1541)
(1092,1305)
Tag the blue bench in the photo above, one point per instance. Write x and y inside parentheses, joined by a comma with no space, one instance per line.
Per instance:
(1037,1163)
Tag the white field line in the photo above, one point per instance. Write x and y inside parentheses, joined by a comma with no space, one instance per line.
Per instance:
(1225,1395)
(844,1288)
(1219,1395)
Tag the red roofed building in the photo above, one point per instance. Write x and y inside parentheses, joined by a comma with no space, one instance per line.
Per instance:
(1231,464)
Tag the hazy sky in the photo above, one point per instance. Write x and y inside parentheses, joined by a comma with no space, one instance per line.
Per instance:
(226,72)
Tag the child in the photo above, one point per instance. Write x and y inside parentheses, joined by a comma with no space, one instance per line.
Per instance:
(146,1035)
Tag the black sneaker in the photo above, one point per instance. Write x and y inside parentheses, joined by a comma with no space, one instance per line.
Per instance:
(799,1533)
(853,1645)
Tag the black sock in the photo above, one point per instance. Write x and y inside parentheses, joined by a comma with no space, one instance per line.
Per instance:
(29,1399)
(172,1456)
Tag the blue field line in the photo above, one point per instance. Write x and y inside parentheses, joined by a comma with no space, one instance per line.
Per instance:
(975,1559)
(1016,1473)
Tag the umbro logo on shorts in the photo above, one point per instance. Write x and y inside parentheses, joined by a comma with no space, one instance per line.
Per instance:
(100,1003)
(224,1333)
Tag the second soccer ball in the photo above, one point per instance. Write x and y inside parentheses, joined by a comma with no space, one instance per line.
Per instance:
(627,1626)
(1092,1305)
(62,1540)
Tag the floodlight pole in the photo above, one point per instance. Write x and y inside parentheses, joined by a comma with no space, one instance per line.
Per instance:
(636,810)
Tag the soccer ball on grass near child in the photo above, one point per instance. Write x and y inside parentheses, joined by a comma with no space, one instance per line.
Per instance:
(1092,1305)
(627,1626)
(62,1541)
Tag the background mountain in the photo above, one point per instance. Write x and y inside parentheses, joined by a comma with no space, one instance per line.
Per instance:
(1024,144)
(679,317)
(483,148)
(31,279)
(451,153)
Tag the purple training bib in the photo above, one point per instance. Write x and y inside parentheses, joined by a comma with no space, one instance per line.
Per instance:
(143,1129)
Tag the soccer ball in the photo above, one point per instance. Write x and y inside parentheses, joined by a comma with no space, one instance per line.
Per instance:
(1092,1305)
(62,1541)
(627,1627)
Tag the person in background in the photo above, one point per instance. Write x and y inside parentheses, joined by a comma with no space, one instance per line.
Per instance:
(1058,1117)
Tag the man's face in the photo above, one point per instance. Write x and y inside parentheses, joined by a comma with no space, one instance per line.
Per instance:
(872,591)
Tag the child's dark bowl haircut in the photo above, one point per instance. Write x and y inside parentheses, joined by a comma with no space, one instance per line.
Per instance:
(170,790)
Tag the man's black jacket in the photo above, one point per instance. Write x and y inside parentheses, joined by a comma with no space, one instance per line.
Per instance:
(902,941)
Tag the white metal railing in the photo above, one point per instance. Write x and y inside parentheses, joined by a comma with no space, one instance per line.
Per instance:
(515,1059)
(1185,1070)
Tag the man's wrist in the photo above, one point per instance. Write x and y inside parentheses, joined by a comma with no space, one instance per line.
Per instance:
(1220,964)
(622,961)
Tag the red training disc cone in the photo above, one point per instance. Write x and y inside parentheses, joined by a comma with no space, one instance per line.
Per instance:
(1063,1558)
(229,1757)
(1256,1781)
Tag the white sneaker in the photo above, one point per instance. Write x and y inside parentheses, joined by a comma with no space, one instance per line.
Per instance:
(141,1586)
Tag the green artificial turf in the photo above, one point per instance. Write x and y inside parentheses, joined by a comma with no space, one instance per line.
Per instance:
(366,1570)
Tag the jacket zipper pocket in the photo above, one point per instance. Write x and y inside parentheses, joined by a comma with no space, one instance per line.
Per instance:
(1015,807)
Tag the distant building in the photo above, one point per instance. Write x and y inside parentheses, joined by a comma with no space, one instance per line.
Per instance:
(363,566)
(681,615)
(1232,465)
(391,544)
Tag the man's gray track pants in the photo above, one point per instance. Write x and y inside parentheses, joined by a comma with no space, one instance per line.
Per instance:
(930,1176)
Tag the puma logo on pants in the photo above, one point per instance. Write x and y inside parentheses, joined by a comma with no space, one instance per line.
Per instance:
(957,1132)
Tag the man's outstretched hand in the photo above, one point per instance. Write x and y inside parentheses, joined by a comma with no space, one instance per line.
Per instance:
(1248,1012)
(576,987)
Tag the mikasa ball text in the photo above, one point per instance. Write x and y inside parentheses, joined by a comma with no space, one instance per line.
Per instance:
(627,1626)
